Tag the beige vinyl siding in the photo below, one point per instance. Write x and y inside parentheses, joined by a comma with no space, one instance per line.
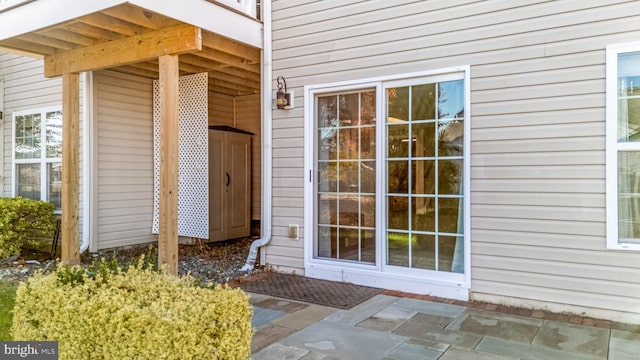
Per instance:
(287,189)
(248,117)
(537,127)
(124,173)
(26,88)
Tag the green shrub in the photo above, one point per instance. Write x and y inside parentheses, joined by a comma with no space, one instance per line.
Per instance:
(24,221)
(135,313)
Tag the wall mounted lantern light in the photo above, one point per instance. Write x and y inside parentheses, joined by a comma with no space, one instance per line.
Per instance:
(283,97)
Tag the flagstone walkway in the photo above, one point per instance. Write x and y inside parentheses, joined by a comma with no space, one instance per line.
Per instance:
(391,327)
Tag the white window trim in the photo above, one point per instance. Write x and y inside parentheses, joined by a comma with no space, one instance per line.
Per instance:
(613,147)
(42,160)
(449,285)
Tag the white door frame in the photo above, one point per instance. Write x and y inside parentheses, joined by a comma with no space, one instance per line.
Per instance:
(442,284)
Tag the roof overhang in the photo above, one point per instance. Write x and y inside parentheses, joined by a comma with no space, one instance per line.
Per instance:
(128,36)
(30,15)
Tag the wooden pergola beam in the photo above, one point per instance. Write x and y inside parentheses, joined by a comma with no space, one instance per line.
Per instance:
(70,228)
(168,207)
(173,40)
(214,41)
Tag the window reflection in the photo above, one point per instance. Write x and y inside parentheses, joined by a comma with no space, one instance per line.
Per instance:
(28,181)
(423,102)
(346,176)
(54,134)
(628,105)
(425,155)
(451,99)
(27,137)
(54,179)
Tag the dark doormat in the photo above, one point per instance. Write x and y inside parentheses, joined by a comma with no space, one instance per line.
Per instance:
(321,292)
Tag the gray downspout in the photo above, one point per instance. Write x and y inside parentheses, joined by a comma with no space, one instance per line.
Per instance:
(266,139)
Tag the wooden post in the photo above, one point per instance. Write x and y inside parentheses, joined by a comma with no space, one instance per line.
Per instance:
(168,231)
(70,231)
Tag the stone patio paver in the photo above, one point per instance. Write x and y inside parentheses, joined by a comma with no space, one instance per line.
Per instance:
(425,327)
(573,338)
(263,316)
(268,335)
(507,327)
(280,352)
(312,355)
(347,317)
(429,307)
(464,354)
(374,305)
(344,341)
(301,319)
(392,328)
(412,350)
(624,345)
(281,304)
(528,352)
(439,347)
(388,319)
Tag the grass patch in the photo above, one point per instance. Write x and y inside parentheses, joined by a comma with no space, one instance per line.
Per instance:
(7,300)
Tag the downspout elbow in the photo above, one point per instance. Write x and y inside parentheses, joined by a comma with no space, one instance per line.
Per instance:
(253,251)
(84,245)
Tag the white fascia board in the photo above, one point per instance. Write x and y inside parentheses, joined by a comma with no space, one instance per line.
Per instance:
(209,16)
(43,13)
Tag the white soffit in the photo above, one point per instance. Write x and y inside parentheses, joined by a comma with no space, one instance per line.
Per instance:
(40,14)
(209,16)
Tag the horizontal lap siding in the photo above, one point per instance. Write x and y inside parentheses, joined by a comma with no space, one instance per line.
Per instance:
(287,187)
(124,110)
(537,126)
(26,88)
(248,117)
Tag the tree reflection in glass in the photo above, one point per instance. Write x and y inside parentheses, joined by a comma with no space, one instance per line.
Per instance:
(346,177)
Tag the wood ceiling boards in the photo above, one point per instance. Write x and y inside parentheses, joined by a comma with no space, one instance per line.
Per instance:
(114,39)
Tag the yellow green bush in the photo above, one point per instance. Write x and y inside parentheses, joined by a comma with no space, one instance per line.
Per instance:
(24,221)
(138,313)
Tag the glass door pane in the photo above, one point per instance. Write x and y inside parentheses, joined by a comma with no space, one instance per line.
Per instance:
(424,163)
(346,177)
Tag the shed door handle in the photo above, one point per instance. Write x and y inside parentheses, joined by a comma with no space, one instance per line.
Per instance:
(228,179)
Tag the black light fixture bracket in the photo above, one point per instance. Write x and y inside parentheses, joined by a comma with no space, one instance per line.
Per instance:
(283,97)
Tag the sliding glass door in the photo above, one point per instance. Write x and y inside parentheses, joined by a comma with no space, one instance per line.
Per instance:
(424,170)
(388,165)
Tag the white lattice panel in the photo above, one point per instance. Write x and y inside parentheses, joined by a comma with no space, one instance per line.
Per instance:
(193,164)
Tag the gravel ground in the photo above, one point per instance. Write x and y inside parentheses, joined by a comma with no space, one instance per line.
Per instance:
(217,262)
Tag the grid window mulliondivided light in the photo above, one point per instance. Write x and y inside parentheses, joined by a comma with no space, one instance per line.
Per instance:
(424,172)
(346,168)
(37,142)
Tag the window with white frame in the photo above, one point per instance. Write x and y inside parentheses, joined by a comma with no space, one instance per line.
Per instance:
(623,146)
(37,152)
